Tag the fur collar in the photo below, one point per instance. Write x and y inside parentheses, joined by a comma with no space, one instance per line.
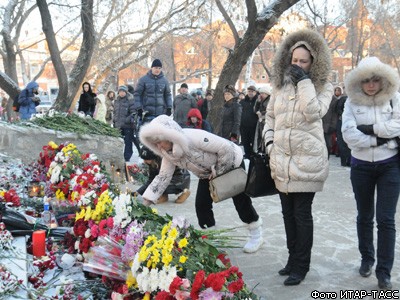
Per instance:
(163,128)
(367,68)
(320,68)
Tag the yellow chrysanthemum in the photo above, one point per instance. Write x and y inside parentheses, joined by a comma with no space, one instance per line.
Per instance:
(182,243)
(173,233)
(130,280)
(80,215)
(88,213)
(60,195)
(53,145)
(74,195)
(146,296)
(2,193)
(182,259)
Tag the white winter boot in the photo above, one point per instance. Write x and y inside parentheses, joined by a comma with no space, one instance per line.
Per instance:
(256,239)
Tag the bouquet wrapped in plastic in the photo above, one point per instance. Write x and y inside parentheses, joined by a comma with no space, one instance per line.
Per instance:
(105,259)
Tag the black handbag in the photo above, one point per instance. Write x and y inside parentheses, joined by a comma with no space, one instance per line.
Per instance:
(259,181)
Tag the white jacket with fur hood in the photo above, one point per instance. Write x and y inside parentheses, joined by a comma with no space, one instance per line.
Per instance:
(381,110)
(193,149)
(299,157)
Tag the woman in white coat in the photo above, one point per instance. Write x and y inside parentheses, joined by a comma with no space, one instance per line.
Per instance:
(371,124)
(294,139)
(204,154)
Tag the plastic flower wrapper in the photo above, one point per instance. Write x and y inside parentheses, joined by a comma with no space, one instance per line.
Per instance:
(105,259)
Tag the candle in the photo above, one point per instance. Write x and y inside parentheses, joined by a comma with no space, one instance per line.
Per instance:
(39,243)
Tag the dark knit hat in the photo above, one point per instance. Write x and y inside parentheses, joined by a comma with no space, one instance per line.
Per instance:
(184,85)
(131,89)
(198,93)
(230,89)
(123,88)
(252,88)
(156,63)
(147,154)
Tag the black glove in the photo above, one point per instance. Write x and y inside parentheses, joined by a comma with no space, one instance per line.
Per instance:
(366,129)
(139,113)
(297,74)
(380,141)
(168,112)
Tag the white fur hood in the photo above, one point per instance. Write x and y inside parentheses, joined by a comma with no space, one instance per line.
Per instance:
(315,43)
(164,128)
(367,68)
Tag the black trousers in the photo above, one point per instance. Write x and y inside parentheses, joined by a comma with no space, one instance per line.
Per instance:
(247,135)
(298,220)
(204,205)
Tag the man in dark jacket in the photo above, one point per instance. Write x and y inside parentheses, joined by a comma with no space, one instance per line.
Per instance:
(153,94)
(249,120)
(182,104)
(123,118)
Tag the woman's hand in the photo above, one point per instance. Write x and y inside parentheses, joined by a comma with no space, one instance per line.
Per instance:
(297,74)
(213,173)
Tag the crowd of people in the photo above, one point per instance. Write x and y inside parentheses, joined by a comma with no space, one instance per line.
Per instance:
(298,123)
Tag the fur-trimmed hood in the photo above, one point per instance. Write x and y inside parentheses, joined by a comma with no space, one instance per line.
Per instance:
(315,43)
(368,68)
(163,128)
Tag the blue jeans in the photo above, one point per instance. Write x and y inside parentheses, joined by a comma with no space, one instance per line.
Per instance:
(386,178)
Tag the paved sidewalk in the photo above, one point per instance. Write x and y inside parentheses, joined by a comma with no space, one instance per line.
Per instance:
(335,257)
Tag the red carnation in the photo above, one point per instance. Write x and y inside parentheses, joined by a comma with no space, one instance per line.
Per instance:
(163,295)
(197,284)
(236,286)
(80,227)
(175,285)
(216,281)
(85,244)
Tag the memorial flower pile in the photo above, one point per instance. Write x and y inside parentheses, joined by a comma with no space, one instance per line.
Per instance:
(138,253)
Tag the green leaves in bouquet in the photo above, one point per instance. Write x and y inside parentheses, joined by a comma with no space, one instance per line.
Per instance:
(74,123)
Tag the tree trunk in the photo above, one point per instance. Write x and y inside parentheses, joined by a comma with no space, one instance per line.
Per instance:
(259,26)
(85,54)
(47,26)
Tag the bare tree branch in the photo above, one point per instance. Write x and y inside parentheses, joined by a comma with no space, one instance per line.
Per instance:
(228,20)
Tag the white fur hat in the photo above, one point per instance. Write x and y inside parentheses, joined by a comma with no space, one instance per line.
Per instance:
(265,89)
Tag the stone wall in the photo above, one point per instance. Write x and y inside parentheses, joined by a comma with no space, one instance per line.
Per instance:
(26,143)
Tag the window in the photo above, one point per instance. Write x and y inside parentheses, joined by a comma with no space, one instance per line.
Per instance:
(34,69)
(182,76)
(334,76)
(263,77)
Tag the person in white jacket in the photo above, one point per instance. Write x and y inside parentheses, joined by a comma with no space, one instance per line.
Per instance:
(206,155)
(294,139)
(371,125)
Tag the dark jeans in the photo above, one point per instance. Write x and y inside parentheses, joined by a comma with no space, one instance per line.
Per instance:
(344,151)
(204,205)
(386,178)
(299,227)
(247,135)
(127,133)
